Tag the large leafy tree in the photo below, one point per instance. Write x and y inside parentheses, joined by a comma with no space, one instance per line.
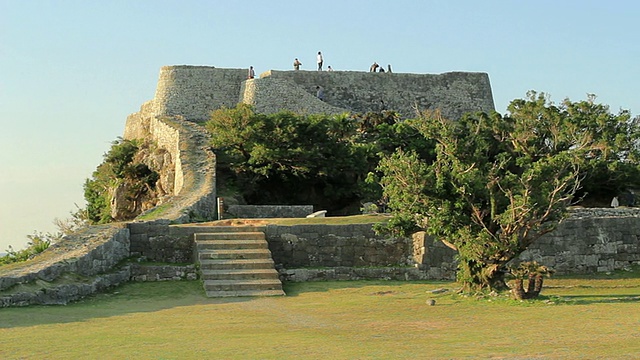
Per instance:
(287,158)
(498,183)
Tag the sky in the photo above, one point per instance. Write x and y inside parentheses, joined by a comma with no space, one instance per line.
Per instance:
(72,71)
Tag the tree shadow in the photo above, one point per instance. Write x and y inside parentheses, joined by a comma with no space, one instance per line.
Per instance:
(293,289)
(597,299)
(126,299)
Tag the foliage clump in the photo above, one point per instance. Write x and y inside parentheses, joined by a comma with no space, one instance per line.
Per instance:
(119,170)
(38,242)
(323,160)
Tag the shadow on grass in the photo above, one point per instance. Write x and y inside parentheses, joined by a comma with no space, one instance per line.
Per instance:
(125,299)
(600,299)
(293,289)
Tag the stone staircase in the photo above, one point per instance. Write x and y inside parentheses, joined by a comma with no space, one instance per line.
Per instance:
(236,261)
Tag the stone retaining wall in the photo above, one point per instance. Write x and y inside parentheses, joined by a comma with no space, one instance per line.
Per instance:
(91,251)
(586,244)
(145,272)
(267,211)
(158,241)
(336,245)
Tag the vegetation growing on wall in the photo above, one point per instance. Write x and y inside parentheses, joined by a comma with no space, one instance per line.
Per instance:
(118,170)
(500,182)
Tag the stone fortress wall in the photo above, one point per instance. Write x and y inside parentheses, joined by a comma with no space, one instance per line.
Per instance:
(194,193)
(195,91)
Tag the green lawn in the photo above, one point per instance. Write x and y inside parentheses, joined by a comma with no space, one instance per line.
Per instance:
(576,318)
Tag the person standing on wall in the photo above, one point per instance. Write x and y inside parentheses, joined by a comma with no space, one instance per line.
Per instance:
(319,61)
(320,92)
(251,73)
(296,64)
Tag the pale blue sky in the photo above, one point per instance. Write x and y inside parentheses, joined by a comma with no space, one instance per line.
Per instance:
(71,71)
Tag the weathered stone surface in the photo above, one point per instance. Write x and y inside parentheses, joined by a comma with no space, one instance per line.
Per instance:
(143,272)
(335,245)
(195,91)
(267,211)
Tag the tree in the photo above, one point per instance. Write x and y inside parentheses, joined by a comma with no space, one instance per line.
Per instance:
(498,183)
(286,158)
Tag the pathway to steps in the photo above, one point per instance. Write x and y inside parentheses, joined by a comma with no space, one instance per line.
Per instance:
(236,261)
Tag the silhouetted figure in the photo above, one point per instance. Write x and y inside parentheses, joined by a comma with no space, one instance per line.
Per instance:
(251,73)
(319,60)
(388,68)
(296,64)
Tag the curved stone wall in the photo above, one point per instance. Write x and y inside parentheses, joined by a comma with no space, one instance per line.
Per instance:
(188,144)
(195,91)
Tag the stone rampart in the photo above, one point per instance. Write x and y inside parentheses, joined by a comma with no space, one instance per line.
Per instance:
(270,95)
(454,93)
(194,171)
(195,91)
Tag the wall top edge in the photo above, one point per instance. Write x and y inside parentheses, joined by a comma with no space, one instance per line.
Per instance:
(269,72)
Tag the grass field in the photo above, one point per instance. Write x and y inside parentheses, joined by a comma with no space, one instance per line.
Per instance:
(575,319)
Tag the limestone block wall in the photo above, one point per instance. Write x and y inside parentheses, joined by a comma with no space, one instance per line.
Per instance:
(302,246)
(267,211)
(159,241)
(91,251)
(270,95)
(584,244)
(455,93)
(195,91)
(188,145)
(142,125)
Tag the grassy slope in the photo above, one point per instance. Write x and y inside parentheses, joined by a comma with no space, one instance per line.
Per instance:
(342,320)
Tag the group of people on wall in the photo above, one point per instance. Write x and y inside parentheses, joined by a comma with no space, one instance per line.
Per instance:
(320,62)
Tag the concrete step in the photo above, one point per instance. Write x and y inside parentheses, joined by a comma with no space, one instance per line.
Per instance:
(239,274)
(234,254)
(241,285)
(245,293)
(226,264)
(230,236)
(231,244)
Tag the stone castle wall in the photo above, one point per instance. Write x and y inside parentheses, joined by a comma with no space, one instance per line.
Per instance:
(455,93)
(194,194)
(195,91)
